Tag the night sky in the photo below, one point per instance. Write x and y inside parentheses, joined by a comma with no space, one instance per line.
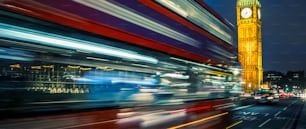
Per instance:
(283,31)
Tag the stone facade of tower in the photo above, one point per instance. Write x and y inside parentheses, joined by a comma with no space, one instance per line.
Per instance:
(249,43)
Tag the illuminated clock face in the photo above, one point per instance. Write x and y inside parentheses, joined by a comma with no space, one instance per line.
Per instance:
(246,12)
(259,14)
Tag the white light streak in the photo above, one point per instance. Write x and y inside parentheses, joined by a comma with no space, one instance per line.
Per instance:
(137,19)
(38,37)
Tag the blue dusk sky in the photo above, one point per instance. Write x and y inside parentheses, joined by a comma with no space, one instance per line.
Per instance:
(283,31)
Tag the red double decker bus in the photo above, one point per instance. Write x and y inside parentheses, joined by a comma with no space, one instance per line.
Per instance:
(115,64)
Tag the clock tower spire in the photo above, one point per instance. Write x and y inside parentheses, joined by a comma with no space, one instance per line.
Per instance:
(249,43)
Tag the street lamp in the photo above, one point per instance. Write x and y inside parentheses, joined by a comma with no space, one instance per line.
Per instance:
(250,86)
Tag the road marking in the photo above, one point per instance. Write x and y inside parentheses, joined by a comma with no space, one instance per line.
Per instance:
(267,114)
(250,113)
(254,113)
(264,122)
(246,113)
(238,108)
(234,124)
(198,121)
(281,118)
(248,118)
(285,108)
(277,113)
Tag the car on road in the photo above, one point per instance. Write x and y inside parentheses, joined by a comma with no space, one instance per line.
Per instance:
(266,96)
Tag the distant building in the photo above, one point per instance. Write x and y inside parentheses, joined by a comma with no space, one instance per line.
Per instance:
(273,77)
(291,81)
(295,80)
(295,75)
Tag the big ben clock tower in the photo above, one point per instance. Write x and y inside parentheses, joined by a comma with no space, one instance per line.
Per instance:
(249,43)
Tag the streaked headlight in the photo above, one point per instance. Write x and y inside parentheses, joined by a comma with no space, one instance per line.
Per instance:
(257,97)
(270,97)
